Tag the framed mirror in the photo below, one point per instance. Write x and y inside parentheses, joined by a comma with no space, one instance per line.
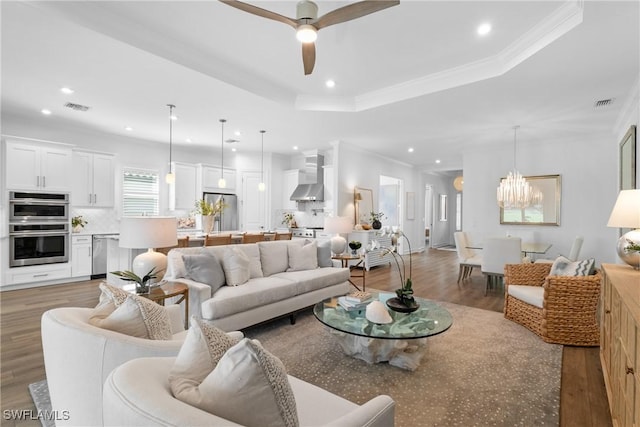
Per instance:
(628,160)
(547,212)
(363,203)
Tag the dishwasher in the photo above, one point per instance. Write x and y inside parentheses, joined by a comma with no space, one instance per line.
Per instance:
(99,259)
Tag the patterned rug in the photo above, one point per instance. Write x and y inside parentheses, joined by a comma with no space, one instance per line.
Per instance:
(484,371)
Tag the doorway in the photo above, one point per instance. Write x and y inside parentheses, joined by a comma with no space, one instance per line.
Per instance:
(428,216)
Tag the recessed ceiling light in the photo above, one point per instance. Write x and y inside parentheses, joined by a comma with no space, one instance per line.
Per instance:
(234,149)
(437,160)
(174,117)
(66,90)
(484,29)
(410,149)
(188,140)
(237,133)
(129,128)
(295,147)
(45,112)
(330,83)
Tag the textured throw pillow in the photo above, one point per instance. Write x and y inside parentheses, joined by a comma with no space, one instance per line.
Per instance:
(324,253)
(303,258)
(565,267)
(249,386)
(235,264)
(274,257)
(253,252)
(200,353)
(204,268)
(135,316)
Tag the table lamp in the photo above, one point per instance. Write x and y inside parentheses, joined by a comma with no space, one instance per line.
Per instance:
(626,214)
(337,225)
(139,232)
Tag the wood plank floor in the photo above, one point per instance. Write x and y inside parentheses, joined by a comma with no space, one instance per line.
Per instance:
(583,400)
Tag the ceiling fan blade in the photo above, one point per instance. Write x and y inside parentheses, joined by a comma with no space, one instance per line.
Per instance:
(353,11)
(255,10)
(308,57)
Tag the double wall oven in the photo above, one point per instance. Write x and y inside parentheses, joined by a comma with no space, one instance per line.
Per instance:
(38,228)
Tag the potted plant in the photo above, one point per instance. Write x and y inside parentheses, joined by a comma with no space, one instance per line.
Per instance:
(78,223)
(404,301)
(208,211)
(354,245)
(376,220)
(289,219)
(142,283)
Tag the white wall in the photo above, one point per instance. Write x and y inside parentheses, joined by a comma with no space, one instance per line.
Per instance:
(441,183)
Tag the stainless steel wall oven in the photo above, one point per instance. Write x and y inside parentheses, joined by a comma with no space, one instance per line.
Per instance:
(38,228)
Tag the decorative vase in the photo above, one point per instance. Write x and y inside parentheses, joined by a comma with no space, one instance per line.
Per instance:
(402,305)
(207,223)
(77,229)
(377,225)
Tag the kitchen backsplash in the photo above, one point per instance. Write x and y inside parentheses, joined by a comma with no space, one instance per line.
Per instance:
(310,214)
(98,220)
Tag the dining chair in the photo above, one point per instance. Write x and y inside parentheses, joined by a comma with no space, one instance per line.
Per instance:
(284,236)
(496,253)
(268,237)
(217,240)
(467,258)
(253,237)
(573,253)
(183,242)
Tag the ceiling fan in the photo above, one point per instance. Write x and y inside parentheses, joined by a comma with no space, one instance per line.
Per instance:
(307,24)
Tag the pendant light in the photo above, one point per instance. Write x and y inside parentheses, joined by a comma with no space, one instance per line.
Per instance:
(170,178)
(514,192)
(262,186)
(221,182)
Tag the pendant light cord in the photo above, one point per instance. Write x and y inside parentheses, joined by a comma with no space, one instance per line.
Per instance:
(222,148)
(262,157)
(171,107)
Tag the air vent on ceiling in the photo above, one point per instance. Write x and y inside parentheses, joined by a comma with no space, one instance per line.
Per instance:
(76,107)
(603,103)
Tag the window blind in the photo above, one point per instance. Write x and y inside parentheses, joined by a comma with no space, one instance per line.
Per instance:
(140,193)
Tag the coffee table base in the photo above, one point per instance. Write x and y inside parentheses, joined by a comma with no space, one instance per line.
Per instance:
(405,354)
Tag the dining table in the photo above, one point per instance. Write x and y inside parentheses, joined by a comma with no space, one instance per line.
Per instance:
(526,247)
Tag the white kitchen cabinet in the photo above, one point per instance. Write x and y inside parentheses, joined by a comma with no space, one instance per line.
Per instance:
(38,273)
(93,184)
(291,179)
(32,166)
(81,255)
(372,257)
(183,192)
(210,175)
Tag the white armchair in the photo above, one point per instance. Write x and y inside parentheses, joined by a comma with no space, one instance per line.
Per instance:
(498,252)
(138,393)
(78,357)
(467,258)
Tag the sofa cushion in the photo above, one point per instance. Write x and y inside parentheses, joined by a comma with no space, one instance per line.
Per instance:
(200,353)
(311,280)
(175,264)
(135,316)
(274,256)
(533,295)
(235,264)
(324,253)
(303,258)
(204,268)
(253,252)
(250,387)
(563,266)
(254,293)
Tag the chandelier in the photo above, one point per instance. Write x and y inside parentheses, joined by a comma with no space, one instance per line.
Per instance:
(514,192)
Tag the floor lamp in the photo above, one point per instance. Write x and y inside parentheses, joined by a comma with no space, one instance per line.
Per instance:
(140,232)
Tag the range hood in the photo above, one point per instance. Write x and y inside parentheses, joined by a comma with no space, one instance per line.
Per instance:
(311,181)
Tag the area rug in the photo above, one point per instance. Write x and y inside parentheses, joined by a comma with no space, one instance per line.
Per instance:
(484,371)
(40,395)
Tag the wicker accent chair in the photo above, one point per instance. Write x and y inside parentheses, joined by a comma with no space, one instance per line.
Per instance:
(183,242)
(559,309)
(217,240)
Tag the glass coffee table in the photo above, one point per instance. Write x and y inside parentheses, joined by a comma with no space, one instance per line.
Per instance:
(402,342)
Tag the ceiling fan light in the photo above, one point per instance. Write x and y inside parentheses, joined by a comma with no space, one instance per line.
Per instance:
(306,33)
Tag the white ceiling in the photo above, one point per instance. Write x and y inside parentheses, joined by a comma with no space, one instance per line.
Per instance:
(414,75)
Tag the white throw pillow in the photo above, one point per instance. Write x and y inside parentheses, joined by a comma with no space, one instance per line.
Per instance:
(204,268)
(304,258)
(563,266)
(253,252)
(200,353)
(274,257)
(324,253)
(249,386)
(235,264)
(135,316)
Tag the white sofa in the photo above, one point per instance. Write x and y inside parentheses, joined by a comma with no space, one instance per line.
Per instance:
(277,293)
(137,393)
(78,357)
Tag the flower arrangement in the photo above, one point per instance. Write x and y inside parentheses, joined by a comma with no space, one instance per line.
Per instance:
(404,294)
(289,219)
(376,216)
(77,222)
(204,208)
(142,283)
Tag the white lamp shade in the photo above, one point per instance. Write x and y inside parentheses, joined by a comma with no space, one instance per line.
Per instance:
(139,232)
(337,224)
(626,211)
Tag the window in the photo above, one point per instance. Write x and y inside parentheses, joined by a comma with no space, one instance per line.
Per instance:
(140,193)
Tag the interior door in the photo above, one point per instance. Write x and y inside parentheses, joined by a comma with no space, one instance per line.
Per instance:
(253,207)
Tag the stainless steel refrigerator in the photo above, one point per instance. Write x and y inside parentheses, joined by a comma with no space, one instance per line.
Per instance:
(229,217)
